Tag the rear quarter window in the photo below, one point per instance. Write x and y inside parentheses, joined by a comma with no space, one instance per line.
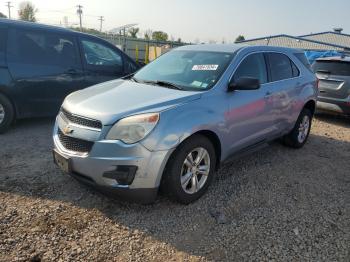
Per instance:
(340,68)
(302,58)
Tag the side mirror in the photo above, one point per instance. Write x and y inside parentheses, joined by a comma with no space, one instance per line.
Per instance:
(244,83)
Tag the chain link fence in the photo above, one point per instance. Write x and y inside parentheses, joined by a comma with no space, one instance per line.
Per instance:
(141,50)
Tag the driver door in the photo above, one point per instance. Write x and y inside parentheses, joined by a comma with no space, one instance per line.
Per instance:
(249,118)
(102,61)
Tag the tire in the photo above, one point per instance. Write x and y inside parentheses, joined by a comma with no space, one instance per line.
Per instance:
(177,173)
(7,114)
(300,133)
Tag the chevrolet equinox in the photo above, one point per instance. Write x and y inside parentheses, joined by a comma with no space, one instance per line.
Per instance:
(172,123)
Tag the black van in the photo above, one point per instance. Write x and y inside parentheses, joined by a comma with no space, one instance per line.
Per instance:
(40,65)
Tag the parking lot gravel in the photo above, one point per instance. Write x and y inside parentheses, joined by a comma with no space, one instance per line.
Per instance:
(277,204)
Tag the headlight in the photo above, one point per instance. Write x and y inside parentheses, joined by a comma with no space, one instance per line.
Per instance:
(134,128)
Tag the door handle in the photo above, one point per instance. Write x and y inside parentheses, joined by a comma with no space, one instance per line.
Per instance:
(72,72)
(268,94)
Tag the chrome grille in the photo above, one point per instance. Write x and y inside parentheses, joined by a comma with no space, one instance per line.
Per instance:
(81,120)
(74,144)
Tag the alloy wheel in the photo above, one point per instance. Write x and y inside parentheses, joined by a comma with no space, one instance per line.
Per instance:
(195,170)
(304,129)
(2,113)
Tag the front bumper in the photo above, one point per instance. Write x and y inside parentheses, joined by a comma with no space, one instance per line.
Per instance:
(339,106)
(106,156)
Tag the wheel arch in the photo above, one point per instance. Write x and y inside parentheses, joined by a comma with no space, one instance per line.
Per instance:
(311,105)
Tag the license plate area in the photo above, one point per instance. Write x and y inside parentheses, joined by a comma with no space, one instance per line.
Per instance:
(62,162)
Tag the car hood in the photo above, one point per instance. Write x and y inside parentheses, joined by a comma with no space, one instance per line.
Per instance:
(113,100)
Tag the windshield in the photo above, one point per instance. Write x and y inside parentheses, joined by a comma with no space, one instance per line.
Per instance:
(190,70)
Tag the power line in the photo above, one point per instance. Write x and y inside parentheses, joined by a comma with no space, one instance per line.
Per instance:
(101,21)
(80,12)
(8,4)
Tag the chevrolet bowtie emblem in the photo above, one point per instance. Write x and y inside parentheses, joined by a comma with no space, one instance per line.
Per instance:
(68,130)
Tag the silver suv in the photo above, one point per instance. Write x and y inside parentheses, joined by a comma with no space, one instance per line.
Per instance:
(172,123)
(334,76)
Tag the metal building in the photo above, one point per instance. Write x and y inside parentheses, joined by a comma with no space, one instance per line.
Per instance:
(336,41)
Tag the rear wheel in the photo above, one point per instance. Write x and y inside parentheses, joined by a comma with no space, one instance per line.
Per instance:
(300,133)
(190,170)
(6,114)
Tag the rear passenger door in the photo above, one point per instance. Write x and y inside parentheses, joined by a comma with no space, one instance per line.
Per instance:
(102,61)
(285,84)
(45,66)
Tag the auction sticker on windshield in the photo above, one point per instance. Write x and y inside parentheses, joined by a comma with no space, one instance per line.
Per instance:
(205,67)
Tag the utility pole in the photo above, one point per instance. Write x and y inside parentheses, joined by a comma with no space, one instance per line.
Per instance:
(8,4)
(80,13)
(101,21)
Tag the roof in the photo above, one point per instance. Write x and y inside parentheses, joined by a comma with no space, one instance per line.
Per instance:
(33,25)
(294,42)
(318,41)
(330,37)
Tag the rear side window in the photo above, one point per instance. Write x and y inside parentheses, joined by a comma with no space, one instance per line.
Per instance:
(43,48)
(281,67)
(3,39)
(340,68)
(302,58)
(252,66)
(97,54)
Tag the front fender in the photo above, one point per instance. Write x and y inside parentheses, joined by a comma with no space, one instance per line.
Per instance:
(179,123)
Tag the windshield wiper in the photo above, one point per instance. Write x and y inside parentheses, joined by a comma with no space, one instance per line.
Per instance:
(164,84)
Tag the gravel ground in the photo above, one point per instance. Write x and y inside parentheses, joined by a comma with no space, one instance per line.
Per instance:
(276,204)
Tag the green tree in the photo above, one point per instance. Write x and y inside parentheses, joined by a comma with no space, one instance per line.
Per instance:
(27,11)
(148,34)
(240,38)
(179,40)
(159,36)
(2,15)
(133,32)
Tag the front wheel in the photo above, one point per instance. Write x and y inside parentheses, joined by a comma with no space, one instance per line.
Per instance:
(190,170)
(300,133)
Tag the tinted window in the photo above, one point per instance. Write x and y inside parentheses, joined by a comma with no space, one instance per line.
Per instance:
(3,38)
(100,55)
(302,58)
(42,48)
(280,67)
(130,67)
(295,69)
(253,66)
(332,67)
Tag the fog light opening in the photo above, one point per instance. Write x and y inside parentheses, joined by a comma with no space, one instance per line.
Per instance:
(124,175)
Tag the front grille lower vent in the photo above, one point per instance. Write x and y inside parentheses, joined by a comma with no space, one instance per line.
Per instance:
(74,144)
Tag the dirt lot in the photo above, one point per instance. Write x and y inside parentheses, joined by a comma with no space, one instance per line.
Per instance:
(277,204)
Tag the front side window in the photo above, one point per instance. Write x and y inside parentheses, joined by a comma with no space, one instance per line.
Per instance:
(42,48)
(97,54)
(253,66)
(191,70)
(281,67)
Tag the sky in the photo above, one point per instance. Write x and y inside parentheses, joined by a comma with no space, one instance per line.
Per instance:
(200,20)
